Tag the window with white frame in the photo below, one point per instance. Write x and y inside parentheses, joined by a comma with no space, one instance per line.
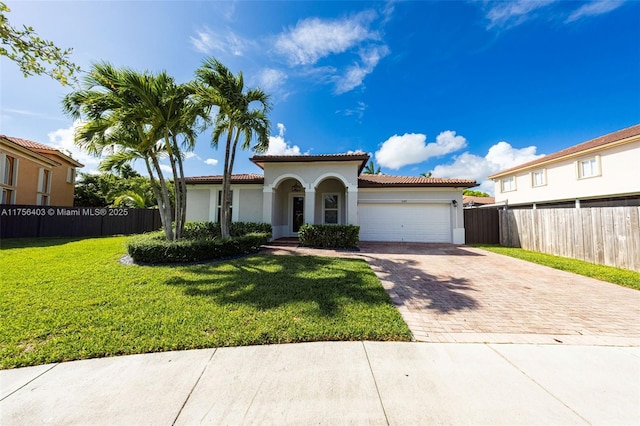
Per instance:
(44,188)
(71,175)
(220,204)
(8,179)
(330,208)
(539,177)
(508,184)
(588,167)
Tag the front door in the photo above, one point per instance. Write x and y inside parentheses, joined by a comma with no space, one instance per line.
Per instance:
(297,214)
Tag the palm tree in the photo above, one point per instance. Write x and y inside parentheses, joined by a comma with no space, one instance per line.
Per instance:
(241,116)
(129,115)
(371,169)
(426,174)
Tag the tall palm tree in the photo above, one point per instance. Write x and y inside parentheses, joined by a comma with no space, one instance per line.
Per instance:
(241,116)
(371,169)
(128,115)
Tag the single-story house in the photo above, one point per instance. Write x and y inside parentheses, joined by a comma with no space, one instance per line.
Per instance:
(329,189)
(35,174)
(602,172)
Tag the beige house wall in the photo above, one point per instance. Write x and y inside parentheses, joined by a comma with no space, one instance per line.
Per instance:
(619,175)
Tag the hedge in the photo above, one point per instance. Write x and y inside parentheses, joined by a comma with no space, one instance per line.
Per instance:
(154,247)
(211,230)
(329,236)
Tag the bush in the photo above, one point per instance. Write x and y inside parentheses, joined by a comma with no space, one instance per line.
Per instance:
(329,236)
(211,230)
(154,248)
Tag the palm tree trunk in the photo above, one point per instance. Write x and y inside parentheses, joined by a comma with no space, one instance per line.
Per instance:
(166,200)
(171,150)
(225,224)
(183,189)
(158,194)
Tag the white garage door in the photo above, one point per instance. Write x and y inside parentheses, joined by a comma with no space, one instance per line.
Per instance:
(427,223)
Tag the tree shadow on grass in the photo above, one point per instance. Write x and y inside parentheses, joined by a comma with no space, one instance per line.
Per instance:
(268,281)
(14,243)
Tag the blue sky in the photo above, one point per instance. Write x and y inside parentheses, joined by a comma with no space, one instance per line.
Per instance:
(462,88)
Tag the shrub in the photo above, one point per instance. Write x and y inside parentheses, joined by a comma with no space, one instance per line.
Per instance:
(211,230)
(154,248)
(329,236)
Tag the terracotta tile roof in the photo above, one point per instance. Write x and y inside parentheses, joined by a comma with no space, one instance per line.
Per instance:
(466,199)
(28,144)
(259,160)
(364,181)
(217,179)
(576,149)
(378,181)
(41,148)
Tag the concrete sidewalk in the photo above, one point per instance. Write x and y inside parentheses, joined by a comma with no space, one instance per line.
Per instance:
(334,383)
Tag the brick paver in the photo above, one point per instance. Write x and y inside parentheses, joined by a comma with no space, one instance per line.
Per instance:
(449,293)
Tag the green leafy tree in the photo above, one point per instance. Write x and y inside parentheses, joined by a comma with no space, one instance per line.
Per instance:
(474,193)
(371,169)
(129,199)
(241,116)
(129,116)
(106,189)
(427,174)
(34,55)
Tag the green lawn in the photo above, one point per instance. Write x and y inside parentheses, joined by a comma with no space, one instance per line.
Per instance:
(610,274)
(65,299)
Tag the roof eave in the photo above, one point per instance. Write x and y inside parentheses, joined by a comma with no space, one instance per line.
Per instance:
(31,152)
(542,162)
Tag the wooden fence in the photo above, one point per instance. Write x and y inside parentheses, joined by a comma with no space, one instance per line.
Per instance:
(481,226)
(50,221)
(604,235)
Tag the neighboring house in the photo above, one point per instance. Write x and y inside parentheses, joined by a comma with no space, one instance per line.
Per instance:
(469,201)
(601,172)
(329,189)
(35,174)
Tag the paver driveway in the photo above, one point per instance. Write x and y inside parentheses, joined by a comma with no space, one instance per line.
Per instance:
(449,293)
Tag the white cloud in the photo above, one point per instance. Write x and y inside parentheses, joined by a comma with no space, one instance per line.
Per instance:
(278,146)
(63,140)
(166,168)
(314,38)
(410,148)
(191,154)
(211,161)
(208,42)
(356,73)
(595,8)
(512,13)
(499,157)
(271,79)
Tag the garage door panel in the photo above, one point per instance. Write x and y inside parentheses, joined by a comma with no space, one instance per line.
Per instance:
(405,222)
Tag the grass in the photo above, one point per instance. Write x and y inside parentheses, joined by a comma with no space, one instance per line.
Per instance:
(623,277)
(64,299)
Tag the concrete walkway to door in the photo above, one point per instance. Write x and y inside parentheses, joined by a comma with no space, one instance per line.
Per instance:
(449,293)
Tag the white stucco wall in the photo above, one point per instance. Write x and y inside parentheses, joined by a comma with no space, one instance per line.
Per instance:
(309,173)
(250,203)
(202,202)
(197,204)
(620,174)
